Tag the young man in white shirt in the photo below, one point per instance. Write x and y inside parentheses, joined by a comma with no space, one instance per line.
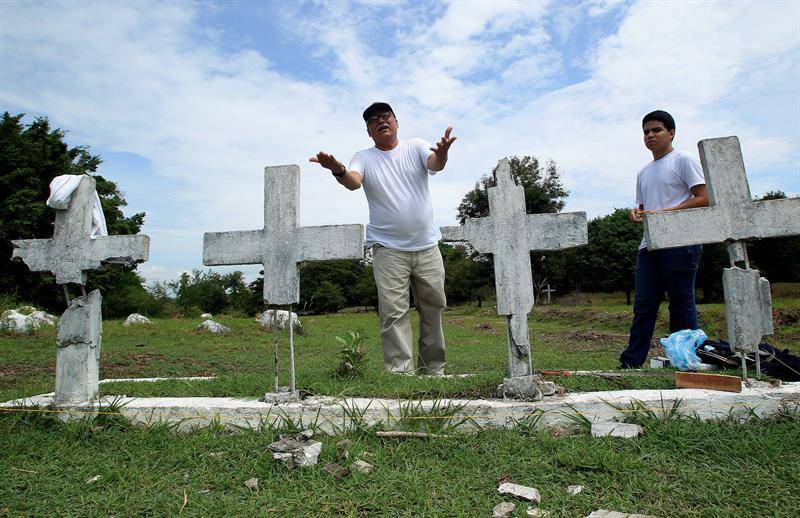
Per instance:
(394,174)
(672,181)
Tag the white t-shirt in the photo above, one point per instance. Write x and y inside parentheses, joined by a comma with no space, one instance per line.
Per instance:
(396,185)
(667,182)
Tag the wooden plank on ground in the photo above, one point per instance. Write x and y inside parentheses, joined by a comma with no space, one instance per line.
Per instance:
(708,381)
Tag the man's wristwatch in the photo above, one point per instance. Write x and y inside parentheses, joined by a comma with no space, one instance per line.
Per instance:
(339,175)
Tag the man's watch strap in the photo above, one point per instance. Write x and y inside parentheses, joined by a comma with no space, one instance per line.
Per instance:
(341,174)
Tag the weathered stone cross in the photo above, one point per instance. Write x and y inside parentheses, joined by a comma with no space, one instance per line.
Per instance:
(509,234)
(732,217)
(281,244)
(70,253)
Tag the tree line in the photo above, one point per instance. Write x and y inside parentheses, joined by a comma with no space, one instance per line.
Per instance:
(32,155)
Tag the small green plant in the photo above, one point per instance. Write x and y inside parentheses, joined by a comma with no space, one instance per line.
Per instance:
(353,356)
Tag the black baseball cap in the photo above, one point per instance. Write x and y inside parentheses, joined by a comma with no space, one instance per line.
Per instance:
(376,108)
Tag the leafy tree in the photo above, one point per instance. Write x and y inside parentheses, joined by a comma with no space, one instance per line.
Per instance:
(345,274)
(608,262)
(544,193)
(468,275)
(30,157)
(328,297)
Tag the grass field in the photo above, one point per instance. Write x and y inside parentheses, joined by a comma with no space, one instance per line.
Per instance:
(679,467)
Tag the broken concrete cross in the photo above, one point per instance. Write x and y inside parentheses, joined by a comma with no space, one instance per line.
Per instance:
(732,217)
(281,244)
(70,253)
(509,234)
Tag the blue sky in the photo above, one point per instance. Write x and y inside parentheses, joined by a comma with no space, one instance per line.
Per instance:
(187,102)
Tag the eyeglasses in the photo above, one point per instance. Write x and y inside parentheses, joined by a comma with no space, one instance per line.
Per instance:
(386,116)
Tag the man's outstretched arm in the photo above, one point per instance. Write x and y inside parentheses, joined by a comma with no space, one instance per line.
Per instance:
(350,179)
(438,159)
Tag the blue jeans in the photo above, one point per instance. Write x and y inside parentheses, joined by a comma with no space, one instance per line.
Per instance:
(672,270)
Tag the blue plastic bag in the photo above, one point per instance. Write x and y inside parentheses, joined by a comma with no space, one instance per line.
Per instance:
(681,346)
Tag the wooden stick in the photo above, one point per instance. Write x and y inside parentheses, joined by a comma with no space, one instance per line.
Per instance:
(277,335)
(422,435)
(291,348)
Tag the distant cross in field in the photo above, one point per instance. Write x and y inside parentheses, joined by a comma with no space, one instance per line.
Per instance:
(732,217)
(509,234)
(71,253)
(548,290)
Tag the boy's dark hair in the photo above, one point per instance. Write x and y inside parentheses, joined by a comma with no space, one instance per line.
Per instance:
(660,116)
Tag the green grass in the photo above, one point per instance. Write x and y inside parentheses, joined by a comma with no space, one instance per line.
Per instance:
(677,468)
(573,337)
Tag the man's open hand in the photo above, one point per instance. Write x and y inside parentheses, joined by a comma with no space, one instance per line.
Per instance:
(438,159)
(444,144)
(327,161)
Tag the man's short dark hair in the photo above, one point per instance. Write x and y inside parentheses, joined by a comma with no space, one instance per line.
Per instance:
(662,117)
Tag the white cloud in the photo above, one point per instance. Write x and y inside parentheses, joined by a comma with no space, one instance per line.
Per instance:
(148,79)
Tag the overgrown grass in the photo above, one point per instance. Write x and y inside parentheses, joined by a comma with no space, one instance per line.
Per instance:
(677,468)
(588,336)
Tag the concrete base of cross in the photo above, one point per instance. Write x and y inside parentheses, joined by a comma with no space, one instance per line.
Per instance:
(284,396)
(80,332)
(527,388)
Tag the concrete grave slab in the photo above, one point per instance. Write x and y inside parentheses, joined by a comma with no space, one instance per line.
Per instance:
(510,234)
(331,413)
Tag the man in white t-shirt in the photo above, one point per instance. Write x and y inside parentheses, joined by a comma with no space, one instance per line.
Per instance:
(394,174)
(672,181)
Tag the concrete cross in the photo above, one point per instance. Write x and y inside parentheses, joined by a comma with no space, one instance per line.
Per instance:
(70,253)
(281,244)
(732,217)
(509,234)
(548,290)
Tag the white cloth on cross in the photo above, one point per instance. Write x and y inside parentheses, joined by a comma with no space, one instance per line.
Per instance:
(61,189)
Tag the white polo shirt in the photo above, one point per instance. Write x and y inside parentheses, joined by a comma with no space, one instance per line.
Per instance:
(396,185)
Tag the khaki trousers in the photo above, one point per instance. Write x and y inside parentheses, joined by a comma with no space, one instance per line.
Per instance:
(423,272)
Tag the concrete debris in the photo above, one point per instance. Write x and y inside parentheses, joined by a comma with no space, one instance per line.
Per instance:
(212,327)
(538,513)
(43,318)
(12,321)
(504,510)
(93,479)
(574,490)
(337,470)
(251,484)
(136,319)
(527,388)
(362,466)
(614,429)
(267,319)
(296,451)
(284,395)
(206,316)
(531,494)
(603,513)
